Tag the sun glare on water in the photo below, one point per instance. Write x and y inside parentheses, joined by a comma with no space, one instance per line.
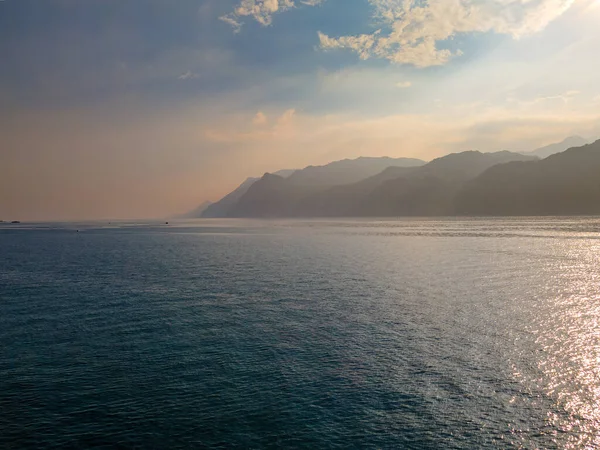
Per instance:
(569,340)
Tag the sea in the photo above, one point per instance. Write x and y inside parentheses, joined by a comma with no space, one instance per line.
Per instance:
(324,334)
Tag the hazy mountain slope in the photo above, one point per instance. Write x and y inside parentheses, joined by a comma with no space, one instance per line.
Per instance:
(566,183)
(348,170)
(223,206)
(271,196)
(421,190)
(299,194)
(195,213)
(342,200)
(570,142)
(430,190)
(285,173)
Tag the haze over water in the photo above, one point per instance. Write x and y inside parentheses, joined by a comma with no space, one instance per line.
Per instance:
(324,334)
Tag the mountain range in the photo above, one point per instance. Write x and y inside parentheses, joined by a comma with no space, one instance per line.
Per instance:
(397,191)
(467,183)
(223,206)
(566,183)
(570,142)
(312,177)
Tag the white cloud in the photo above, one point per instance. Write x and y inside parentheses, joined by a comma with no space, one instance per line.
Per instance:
(565,97)
(404,84)
(560,99)
(262,11)
(188,75)
(233,21)
(413,28)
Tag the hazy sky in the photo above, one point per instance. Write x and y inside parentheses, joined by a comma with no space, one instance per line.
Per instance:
(145,108)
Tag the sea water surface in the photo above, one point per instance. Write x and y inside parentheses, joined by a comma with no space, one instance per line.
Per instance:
(479,333)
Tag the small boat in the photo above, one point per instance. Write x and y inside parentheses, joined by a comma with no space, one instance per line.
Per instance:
(15,221)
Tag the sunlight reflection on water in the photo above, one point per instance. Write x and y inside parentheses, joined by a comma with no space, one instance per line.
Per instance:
(569,343)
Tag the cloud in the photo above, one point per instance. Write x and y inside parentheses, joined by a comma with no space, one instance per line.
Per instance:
(188,75)
(287,117)
(259,119)
(565,97)
(261,10)
(404,84)
(411,29)
(562,98)
(233,21)
(450,127)
(239,130)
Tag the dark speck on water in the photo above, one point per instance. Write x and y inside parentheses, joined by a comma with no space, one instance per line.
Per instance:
(407,334)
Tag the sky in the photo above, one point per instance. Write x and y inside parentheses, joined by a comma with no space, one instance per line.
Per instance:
(146,108)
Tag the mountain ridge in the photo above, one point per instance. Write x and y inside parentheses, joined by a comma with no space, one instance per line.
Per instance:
(328,175)
(221,207)
(566,183)
(558,147)
(394,191)
(465,183)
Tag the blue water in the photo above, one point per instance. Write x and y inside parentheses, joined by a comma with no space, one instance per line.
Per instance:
(316,334)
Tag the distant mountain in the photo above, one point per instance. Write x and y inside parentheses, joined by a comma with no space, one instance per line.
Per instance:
(417,190)
(566,183)
(467,183)
(285,173)
(223,206)
(348,170)
(342,200)
(271,196)
(570,142)
(196,212)
(430,190)
(274,196)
